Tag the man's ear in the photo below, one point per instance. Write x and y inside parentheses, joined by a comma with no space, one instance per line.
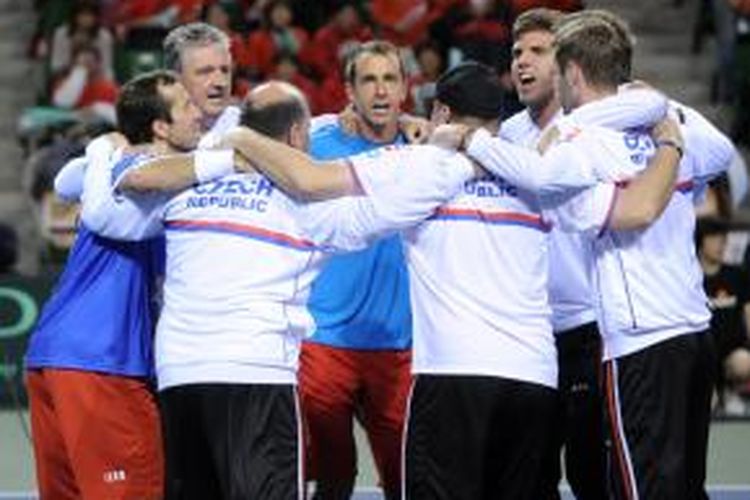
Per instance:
(440,113)
(295,138)
(349,91)
(574,72)
(160,129)
(404,89)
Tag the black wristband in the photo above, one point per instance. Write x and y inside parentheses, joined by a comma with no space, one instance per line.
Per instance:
(673,144)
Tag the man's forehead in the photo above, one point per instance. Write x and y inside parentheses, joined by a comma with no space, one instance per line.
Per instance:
(535,37)
(206,55)
(367,62)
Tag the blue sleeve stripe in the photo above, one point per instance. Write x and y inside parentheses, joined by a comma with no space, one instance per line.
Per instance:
(121,166)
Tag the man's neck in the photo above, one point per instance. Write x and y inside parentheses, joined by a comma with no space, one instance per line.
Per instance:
(590,94)
(490,126)
(543,115)
(384,134)
(158,148)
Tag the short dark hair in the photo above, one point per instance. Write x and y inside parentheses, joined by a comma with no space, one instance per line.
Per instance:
(709,225)
(622,30)
(472,89)
(81,6)
(619,24)
(187,36)
(538,19)
(373,47)
(141,102)
(604,55)
(273,120)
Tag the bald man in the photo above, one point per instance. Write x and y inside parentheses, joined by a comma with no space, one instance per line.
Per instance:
(229,333)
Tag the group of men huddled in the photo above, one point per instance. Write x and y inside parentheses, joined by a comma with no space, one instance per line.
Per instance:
(515,285)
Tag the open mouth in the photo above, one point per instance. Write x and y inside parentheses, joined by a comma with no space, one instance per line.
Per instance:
(381,110)
(216,96)
(526,79)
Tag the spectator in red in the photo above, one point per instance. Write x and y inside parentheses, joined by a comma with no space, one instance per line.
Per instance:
(519,6)
(150,19)
(339,36)
(189,11)
(86,87)
(287,69)
(333,96)
(217,15)
(404,22)
(242,83)
(482,33)
(278,35)
(83,27)
(407,22)
(136,12)
(252,14)
(431,62)
(156,12)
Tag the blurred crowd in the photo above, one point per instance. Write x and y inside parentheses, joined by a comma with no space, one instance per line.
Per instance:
(728,21)
(87,47)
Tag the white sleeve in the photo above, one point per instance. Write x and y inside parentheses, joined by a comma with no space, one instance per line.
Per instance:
(69,180)
(344,224)
(403,186)
(738,179)
(624,110)
(709,150)
(104,211)
(588,211)
(406,184)
(564,167)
